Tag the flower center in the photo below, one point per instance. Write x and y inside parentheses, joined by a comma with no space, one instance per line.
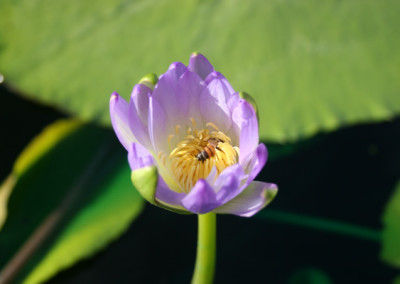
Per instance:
(196,155)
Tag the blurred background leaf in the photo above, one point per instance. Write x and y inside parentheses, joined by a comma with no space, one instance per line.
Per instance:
(312,65)
(73,189)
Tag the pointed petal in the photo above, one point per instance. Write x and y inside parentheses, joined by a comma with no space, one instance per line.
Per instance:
(254,198)
(199,64)
(201,198)
(228,183)
(191,86)
(257,162)
(120,120)
(167,95)
(245,119)
(159,129)
(139,157)
(214,101)
(168,107)
(139,113)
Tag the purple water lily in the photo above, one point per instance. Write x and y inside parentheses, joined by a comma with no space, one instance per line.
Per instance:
(197,137)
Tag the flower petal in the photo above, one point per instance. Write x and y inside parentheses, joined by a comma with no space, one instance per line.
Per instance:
(139,157)
(228,183)
(139,113)
(254,198)
(167,196)
(214,101)
(158,127)
(257,162)
(201,199)
(199,64)
(170,107)
(120,120)
(191,85)
(245,119)
(167,95)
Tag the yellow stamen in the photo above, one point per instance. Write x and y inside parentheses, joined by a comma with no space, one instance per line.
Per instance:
(191,161)
(212,125)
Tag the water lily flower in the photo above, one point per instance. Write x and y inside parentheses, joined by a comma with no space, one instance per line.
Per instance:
(192,142)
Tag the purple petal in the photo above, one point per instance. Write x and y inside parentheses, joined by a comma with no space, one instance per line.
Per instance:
(191,86)
(139,113)
(165,195)
(158,130)
(214,101)
(254,198)
(175,70)
(175,104)
(221,78)
(245,119)
(228,183)
(199,64)
(120,120)
(233,101)
(256,162)
(139,157)
(201,199)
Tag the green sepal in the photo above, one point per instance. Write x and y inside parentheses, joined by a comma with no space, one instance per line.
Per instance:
(251,101)
(150,80)
(145,181)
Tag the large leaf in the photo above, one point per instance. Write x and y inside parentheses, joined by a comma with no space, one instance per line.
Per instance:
(391,232)
(72,186)
(311,65)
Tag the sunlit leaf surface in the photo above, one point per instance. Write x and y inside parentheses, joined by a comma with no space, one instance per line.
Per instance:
(391,233)
(310,65)
(82,183)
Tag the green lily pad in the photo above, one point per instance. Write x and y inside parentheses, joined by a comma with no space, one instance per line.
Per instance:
(75,190)
(391,231)
(310,66)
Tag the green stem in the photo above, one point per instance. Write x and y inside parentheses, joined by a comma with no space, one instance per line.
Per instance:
(206,248)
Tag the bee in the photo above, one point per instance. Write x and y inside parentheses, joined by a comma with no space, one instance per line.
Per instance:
(209,150)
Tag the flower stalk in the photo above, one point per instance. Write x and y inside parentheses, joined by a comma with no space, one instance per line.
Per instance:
(206,249)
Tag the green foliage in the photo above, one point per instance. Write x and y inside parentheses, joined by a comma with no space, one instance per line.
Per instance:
(391,233)
(310,65)
(82,185)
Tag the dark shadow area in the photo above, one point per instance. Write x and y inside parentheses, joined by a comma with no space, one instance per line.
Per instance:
(20,121)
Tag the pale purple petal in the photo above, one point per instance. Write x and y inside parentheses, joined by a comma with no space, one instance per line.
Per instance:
(159,129)
(214,101)
(139,113)
(199,64)
(228,183)
(120,120)
(175,104)
(254,198)
(175,71)
(165,195)
(233,101)
(201,199)
(139,157)
(256,162)
(191,86)
(245,119)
